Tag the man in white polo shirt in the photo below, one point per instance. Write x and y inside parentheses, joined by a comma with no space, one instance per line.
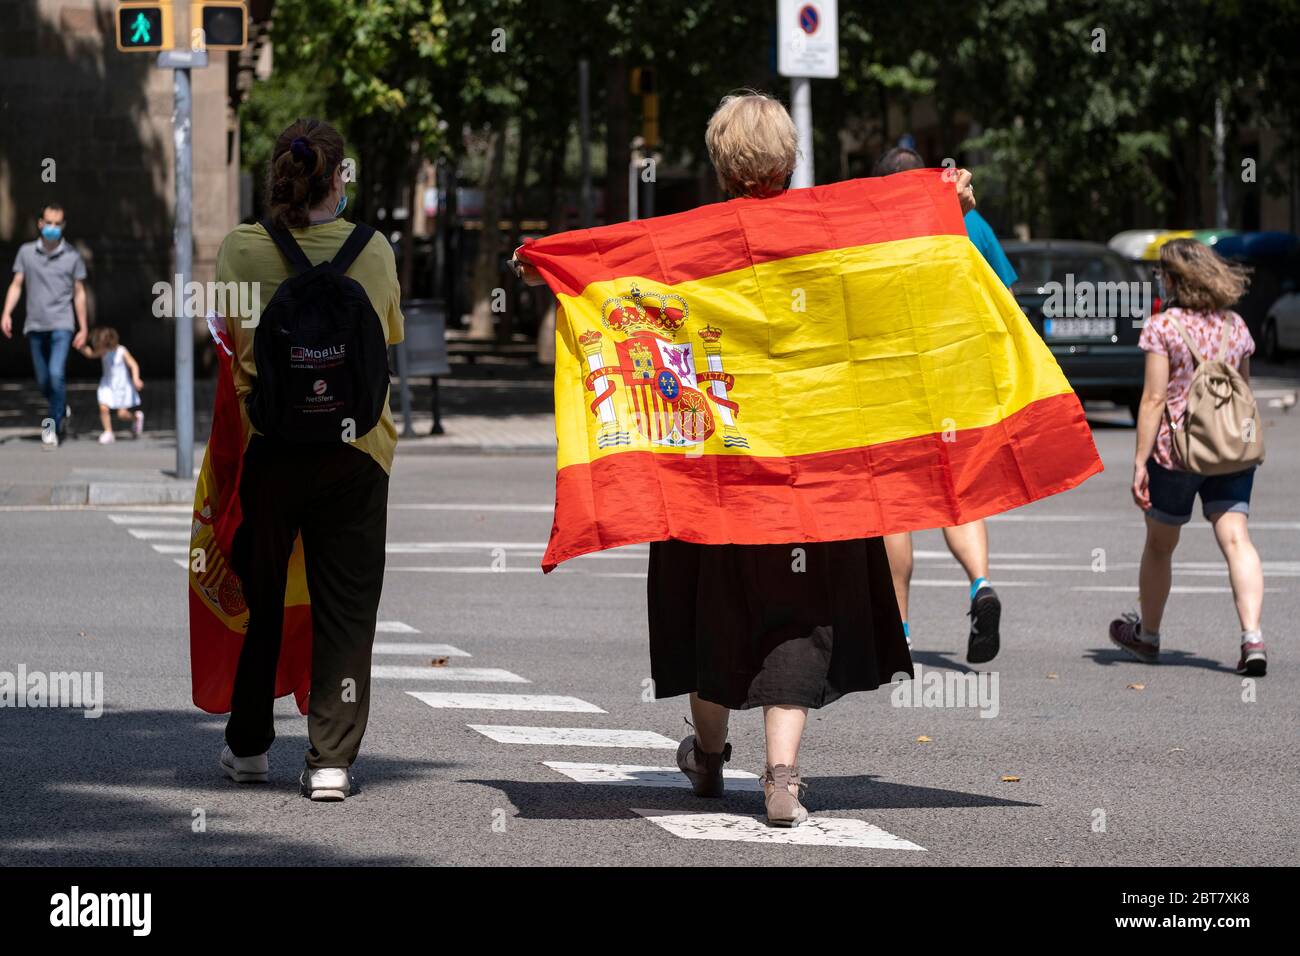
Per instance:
(55,278)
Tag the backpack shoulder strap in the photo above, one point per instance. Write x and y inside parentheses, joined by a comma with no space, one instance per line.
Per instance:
(1223,341)
(351,248)
(1187,339)
(288,246)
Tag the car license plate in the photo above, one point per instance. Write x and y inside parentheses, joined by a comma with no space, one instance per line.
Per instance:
(1078,328)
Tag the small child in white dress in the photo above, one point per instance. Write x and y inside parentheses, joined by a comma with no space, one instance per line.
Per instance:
(119,385)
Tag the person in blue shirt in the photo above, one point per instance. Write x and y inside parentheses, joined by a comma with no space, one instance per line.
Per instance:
(969,543)
(981,233)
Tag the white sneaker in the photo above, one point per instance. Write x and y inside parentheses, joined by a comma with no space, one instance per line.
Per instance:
(327,783)
(137,426)
(49,440)
(245,769)
(107,438)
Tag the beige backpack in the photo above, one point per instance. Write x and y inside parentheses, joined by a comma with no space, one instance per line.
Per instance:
(1220,431)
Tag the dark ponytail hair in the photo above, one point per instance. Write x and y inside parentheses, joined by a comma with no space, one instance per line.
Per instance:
(302,169)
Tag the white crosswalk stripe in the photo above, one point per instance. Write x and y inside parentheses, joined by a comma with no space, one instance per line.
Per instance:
(574,736)
(177,521)
(394,627)
(815,831)
(485,675)
(522,702)
(632,775)
(421,649)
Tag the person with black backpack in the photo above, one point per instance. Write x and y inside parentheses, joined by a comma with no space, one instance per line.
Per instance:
(311,373)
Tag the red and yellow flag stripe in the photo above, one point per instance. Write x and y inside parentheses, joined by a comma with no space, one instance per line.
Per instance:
(882,377)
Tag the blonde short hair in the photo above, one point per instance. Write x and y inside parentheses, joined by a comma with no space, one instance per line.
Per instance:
(753,144)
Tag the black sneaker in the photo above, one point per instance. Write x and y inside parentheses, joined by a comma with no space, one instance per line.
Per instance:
(985,613)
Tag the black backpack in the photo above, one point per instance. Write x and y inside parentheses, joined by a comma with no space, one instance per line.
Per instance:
(322,362)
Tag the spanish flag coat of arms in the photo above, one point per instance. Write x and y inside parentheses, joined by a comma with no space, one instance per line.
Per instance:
(830,363)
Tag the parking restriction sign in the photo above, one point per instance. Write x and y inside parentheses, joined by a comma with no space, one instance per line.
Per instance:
(808,42)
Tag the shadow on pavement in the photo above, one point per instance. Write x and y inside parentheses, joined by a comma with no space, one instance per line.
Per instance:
(122,790)
(1107,656)
(567,800)
(941,659)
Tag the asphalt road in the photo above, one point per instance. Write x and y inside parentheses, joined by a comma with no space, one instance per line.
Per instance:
(1117,762)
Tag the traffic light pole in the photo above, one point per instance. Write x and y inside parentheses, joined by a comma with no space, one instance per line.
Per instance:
(181,118)
(182,112)
(801,109)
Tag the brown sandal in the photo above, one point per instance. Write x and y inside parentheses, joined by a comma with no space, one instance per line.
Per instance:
(783,806)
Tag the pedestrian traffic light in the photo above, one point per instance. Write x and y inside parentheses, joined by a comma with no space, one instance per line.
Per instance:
(643,83)
(219,24)
(144,27)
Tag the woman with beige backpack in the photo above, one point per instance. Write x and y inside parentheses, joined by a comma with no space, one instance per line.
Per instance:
(1198,432)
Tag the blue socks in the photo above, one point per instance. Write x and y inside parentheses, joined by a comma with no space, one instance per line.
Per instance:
(976,585)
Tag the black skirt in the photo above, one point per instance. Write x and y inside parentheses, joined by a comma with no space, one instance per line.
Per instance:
(785,624)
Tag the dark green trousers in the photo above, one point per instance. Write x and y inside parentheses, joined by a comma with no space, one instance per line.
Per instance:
(336,496)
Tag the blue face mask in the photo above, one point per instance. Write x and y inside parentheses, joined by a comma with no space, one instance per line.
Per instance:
(343,204)
(51,233)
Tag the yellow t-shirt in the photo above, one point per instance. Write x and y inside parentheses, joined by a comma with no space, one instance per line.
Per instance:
(249,255)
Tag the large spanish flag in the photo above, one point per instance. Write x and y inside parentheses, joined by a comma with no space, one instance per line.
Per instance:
(831,363)
(218,614)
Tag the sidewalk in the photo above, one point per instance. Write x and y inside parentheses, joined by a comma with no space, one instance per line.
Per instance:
(485,410)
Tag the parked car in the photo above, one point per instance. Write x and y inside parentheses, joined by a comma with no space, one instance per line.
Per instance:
(1143,245)
(1142,248)
(1088,302)
(1269,306)
(1282,324)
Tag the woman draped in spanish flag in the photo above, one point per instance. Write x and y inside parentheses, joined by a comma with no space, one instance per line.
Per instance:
(761,389)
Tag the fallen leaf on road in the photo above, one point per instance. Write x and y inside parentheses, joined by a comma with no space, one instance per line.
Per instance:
(1008,778)
(922,740)
(1051,677)
(1137,686)
(438,662)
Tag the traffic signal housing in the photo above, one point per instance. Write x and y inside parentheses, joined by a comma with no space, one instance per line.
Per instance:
(224,24)
(643,84)
(144,27)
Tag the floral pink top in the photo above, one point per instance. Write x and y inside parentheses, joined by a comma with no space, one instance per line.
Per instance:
(1206,330)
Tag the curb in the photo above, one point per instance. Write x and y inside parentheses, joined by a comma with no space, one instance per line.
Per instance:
(432,448)
(122,493)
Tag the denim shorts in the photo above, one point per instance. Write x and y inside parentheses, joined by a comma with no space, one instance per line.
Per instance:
(1174,492)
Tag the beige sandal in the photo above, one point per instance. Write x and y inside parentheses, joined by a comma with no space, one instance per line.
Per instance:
(783,806)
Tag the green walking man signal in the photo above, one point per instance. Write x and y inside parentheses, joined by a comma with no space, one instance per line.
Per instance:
(144,27)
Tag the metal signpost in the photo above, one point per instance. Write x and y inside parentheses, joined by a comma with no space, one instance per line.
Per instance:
(147,28)
(180,63)
(807,47)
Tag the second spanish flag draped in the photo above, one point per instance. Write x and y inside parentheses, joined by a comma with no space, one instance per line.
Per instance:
(836,362)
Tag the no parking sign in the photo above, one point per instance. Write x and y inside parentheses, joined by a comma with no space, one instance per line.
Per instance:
(807,39)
